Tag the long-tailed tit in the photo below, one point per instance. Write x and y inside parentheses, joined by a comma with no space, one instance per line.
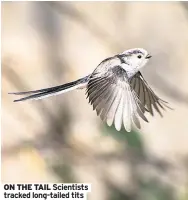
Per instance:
(116,89)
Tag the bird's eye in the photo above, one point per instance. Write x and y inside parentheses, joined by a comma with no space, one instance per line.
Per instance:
(139,56)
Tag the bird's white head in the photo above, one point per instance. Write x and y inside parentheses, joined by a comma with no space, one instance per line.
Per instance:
(136,58)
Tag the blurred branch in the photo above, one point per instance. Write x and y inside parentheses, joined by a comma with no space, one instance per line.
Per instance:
(94,28)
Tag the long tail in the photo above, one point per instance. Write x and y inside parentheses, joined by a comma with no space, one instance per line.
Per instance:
(47,92)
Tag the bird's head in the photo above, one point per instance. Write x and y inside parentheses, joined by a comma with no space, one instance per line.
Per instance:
(137,57)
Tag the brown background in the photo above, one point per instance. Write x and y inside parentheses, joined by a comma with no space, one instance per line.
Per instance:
(60,139)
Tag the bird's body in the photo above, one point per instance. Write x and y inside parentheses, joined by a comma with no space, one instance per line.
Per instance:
(116,89)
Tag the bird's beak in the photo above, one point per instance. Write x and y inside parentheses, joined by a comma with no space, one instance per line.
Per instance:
(148,56)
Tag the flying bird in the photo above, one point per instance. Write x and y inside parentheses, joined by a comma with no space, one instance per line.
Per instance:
(116,89)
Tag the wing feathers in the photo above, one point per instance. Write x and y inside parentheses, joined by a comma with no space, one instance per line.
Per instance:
(113,108)
(146,95)
(126,114)
(119,112)
(115,101)
(109,102)
(97,92)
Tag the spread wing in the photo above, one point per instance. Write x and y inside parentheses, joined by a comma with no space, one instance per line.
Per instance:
(146,95)
(112,98)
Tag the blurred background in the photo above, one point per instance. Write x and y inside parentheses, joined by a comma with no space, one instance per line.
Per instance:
(61,139)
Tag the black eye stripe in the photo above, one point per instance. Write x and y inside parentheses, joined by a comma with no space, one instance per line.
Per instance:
(137,51)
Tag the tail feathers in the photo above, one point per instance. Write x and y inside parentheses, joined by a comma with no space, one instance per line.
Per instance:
(67,85)
(47,92)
